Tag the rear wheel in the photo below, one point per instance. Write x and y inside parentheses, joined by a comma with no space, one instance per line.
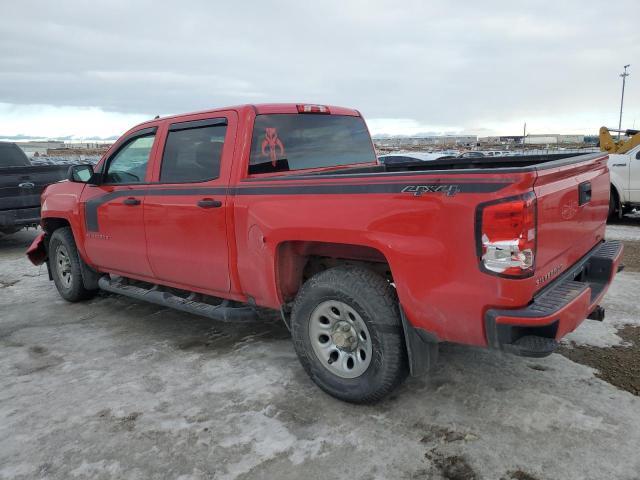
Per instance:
(65,266)
(347,333)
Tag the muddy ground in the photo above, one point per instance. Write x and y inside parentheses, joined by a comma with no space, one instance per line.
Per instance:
(617,364)
(114,388)
(631,259)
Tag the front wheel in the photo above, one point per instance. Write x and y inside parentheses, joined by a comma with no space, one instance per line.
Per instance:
(348,336)
(66,271)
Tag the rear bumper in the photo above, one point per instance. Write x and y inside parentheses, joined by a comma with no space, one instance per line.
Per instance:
(20,217)
(558,309)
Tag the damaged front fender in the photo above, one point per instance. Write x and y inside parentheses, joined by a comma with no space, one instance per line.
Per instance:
(37,252)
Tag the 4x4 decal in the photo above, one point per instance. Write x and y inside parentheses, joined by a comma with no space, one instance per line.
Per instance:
(448,189)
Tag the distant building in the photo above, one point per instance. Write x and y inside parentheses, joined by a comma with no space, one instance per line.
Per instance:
(429,140)
(570,139)
(501,140)
(87,145)
(45,147)
(39,147)
(553,139)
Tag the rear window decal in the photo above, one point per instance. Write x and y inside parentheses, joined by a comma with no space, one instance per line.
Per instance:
(270,144)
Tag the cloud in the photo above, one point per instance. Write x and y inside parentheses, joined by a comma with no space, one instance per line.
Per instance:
(46,121)
(472,66)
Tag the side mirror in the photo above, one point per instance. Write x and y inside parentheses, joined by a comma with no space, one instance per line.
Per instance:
(80,173)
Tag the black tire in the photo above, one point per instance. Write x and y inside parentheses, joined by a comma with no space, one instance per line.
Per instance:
(64,262)
(375,301)
(613,206)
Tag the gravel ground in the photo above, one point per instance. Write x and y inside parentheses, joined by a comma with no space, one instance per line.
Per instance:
(113,388)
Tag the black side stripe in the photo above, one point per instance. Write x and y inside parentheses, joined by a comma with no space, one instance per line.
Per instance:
(362,188)
(91,206)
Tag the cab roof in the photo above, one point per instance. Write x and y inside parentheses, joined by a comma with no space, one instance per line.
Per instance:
(259,109)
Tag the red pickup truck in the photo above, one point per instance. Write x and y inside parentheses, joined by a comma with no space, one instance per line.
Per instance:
(229,212)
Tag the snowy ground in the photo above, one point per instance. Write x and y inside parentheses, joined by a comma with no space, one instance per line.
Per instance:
(113,388)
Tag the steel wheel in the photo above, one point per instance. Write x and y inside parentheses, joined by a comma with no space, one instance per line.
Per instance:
(63,269)
(340,339)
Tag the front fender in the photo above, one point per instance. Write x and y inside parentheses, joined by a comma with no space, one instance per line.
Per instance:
(37,251)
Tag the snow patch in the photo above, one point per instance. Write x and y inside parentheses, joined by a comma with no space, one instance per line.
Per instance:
(268,438)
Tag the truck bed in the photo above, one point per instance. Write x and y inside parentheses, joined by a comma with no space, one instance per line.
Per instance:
(405,163)
(483,163)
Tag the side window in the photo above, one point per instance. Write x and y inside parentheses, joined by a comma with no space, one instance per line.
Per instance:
(192,154)
(129,165)
(638,155)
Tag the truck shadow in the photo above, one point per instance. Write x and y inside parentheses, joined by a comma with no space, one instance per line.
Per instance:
(183,332)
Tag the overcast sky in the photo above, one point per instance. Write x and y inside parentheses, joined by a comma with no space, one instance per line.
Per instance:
(97,68)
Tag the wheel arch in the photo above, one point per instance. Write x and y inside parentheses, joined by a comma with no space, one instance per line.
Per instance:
(90,275)
(617,191)
(51,224)
(298,260)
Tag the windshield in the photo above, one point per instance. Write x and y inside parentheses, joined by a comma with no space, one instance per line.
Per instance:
(283,142)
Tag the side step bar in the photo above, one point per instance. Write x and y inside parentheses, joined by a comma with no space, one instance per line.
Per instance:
(226,311)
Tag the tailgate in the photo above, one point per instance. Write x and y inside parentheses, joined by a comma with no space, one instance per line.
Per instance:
(20,187)
(572,209)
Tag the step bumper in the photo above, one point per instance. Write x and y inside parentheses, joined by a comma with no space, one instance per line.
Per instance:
(558,309)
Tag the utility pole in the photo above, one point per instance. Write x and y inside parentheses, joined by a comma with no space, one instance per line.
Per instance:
(524,136)
(624,76)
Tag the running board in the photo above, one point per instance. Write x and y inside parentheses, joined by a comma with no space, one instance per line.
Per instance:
(226,311)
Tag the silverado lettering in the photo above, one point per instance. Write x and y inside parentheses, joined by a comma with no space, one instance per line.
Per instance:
(552,273)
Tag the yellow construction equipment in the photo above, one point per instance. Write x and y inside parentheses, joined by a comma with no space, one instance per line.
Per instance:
(609,145)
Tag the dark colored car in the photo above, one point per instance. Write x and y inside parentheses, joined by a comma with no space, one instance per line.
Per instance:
(21,184)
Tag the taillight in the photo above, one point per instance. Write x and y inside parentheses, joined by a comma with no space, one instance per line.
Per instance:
(304,108)
(506,236)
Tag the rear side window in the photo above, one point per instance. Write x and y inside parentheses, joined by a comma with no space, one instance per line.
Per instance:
(283,142)
(193,154)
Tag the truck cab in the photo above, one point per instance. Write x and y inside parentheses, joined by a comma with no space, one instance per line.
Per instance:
(625,180)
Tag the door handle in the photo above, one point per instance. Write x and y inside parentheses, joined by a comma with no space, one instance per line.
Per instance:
(209,203)
(131,201)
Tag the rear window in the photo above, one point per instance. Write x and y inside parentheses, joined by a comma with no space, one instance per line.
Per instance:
(12,156)
(283,142)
